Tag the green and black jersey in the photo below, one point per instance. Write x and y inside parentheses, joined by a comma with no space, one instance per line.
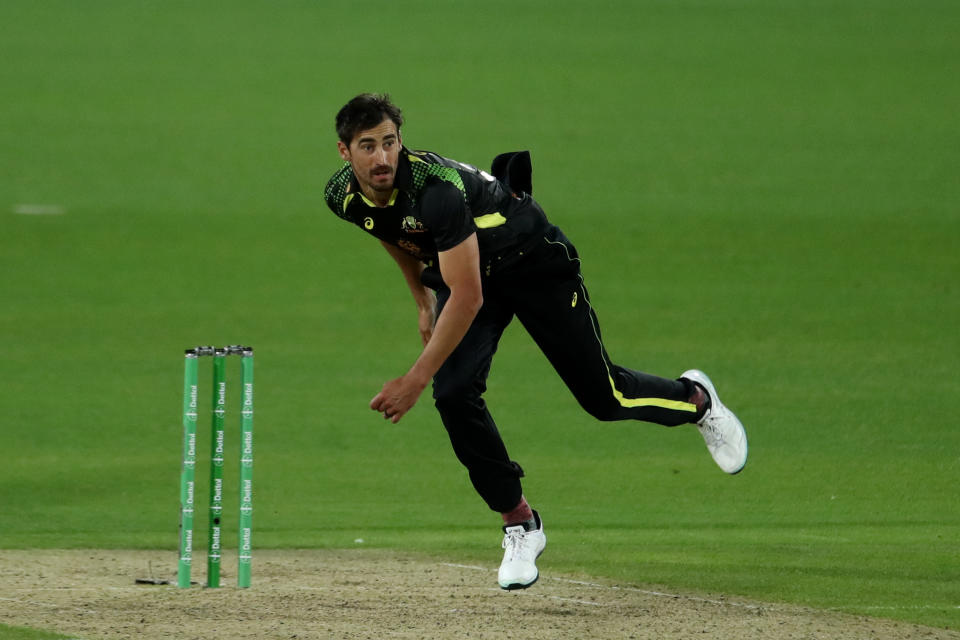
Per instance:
(436,204)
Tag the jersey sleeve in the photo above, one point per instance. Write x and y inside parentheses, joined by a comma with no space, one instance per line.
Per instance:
(336,191)
(444,211)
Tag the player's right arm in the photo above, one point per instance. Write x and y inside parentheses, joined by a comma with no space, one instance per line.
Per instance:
(424,297)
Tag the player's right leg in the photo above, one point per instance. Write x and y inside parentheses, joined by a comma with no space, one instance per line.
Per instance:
(458,389)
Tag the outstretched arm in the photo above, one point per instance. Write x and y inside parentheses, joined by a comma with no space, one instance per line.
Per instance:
(460,267)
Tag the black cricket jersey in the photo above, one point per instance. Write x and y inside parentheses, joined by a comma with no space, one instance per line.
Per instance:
(436,204)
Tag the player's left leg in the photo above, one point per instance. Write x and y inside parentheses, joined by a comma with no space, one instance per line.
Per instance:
(551,301)
(553,305)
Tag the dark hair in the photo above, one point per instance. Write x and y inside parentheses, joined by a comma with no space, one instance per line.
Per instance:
(364,112)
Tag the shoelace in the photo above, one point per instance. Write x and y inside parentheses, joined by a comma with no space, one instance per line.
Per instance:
(513,542)
(711,432)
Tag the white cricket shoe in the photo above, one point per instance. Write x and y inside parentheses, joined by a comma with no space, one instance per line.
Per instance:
(521,550)
(721,430)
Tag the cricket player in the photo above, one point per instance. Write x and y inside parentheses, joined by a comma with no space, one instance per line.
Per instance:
(476,250)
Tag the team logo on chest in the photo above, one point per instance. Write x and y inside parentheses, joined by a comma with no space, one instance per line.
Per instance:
(411,225)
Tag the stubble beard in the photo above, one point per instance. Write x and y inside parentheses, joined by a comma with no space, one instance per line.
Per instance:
(381,186)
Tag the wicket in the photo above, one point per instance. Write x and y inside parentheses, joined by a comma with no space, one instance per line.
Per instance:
(217,438)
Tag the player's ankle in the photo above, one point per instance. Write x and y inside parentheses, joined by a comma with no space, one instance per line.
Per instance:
(521,514)
(700,399)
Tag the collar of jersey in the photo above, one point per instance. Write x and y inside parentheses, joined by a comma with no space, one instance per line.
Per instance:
(371,203)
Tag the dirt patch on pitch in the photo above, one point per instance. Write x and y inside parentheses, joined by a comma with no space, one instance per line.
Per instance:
(307,595)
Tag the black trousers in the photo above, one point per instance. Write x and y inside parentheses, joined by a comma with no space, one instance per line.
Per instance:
(545,291)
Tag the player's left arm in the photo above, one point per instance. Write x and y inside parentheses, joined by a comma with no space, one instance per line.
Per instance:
(460,267)
(424,297)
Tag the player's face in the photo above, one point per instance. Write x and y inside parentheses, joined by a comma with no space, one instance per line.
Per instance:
(374,154)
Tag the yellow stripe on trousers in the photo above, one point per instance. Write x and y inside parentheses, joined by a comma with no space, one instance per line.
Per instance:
(676,405)
(629,403)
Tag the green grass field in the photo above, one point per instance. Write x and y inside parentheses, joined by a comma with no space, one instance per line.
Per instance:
(22,633)
(764,190)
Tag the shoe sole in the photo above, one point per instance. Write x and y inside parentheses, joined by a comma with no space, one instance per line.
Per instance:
(516,586)
(733,473)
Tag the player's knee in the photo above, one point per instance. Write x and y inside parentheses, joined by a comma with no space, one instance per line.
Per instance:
(603,411)
(453,393)
(456,400)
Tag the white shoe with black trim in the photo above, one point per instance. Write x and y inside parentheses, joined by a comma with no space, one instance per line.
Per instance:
(521,547)
(723,433)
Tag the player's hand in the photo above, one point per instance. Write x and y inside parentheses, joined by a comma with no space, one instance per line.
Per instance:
(397,397)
